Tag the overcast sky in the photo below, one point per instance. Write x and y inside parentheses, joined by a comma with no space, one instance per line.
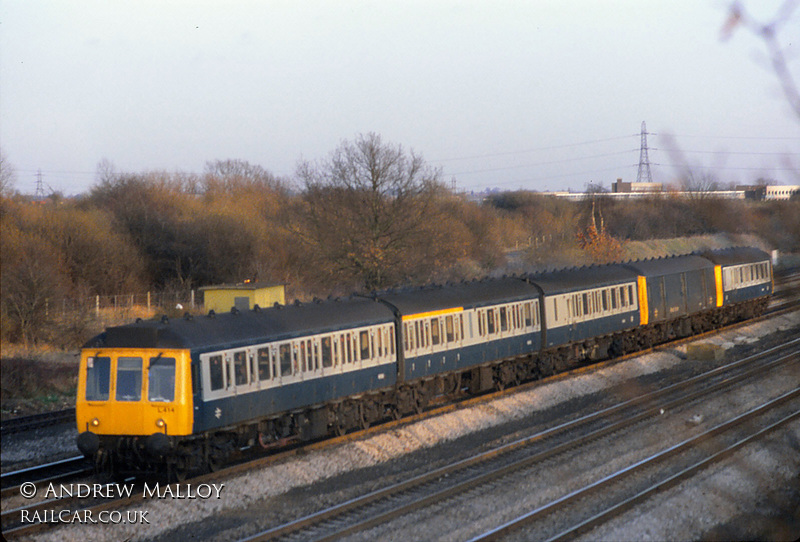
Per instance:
(537,94)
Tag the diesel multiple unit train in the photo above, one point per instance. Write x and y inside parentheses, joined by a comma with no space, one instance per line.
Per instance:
(182,395)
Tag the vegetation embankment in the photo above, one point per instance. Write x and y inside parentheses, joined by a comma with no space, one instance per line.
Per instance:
(368,217)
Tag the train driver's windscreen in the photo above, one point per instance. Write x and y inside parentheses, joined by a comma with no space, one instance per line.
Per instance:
(129,379)
(161,380)
(98,377)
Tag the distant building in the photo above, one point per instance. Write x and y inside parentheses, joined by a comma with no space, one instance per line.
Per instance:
(620,187)
(242,296)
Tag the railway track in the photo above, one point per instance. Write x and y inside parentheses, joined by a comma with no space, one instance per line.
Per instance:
(55,471)
(35,421)
(668,467)
(436,487)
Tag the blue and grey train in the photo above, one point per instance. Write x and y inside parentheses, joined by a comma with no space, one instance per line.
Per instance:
(186,393)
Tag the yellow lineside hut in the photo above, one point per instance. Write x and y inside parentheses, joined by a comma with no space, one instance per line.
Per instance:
(243,296)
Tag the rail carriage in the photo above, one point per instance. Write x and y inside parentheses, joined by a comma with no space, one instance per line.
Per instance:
(746,273)
(588,302)
(186,393)
(455,327)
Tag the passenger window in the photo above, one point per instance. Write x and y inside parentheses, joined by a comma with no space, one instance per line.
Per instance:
(490,325)
(435,331)
(364,338)
(215,372)
(303,363)
(161,380)
(263,364)
(526,310)
(240,367)
(327,354)
(623,301)
(586,304)
(129,379)
(98,378)
(503,319)
(613,293)
(480,324)
(631,298)
(449,332)
(604,295)
(285,356)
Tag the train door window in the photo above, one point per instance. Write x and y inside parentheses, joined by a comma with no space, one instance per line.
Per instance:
(285,358)
(526,310)
(327,354)
(98,378)
(215,373)
(240,367)
(129,379)
(503,319)
(364,337)
(347,350)
(253,366)
(161,380)
(481,332)
(263,364)
(435,332)
(535,309)
(449,329)
(303,357)
(555,310)
(490,322)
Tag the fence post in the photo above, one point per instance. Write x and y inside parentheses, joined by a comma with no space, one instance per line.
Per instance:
(97,306)
(148,301)
(192,297)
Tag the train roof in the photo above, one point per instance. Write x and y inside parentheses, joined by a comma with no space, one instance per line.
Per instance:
(464,294)
(577,278)
(231,329)
(736,256)
(670,265)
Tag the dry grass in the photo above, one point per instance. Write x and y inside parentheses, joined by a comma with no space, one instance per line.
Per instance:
(38,382)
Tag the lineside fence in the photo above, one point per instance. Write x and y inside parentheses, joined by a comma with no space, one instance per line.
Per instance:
(188,300)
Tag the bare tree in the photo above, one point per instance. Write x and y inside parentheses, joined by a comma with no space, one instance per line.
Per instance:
(7,176)
(364,209)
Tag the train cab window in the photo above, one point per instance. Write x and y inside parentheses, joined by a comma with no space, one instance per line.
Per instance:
(161,380)
(240,367)
(435,331)
(215,372)
(129,379)
(327,355)
(263,364)
(98,378)
(285,357)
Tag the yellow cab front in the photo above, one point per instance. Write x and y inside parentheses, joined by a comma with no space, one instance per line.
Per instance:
(134,392)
